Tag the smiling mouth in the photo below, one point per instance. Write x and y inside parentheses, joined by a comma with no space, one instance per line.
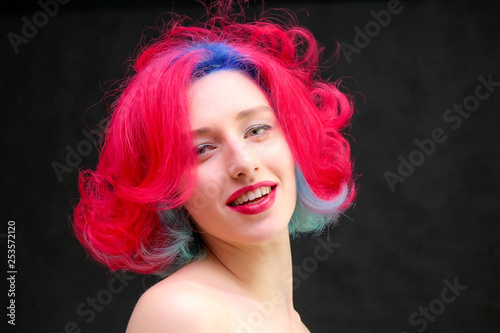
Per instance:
(252,197)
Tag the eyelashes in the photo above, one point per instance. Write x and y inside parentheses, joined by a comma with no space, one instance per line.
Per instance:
(258,131)
(203,149)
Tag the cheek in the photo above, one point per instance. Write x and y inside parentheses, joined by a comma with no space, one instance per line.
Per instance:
(206,193)
(281,157)
(285,162)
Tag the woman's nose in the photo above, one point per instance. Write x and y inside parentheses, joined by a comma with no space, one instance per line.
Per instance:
(242,159)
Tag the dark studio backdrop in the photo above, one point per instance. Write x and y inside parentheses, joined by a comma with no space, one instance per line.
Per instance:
(417,253)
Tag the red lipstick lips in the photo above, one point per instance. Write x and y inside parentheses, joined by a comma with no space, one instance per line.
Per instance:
(254,208)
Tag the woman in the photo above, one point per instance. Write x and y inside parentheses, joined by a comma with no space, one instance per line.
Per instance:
(223,143)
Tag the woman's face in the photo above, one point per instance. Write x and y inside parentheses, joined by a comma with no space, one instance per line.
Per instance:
(246,192)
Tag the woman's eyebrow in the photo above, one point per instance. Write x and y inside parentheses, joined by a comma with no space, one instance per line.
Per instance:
(242,115)
(252,111)
(201,131)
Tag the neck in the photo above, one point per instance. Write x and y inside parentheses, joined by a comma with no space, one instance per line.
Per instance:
(264,271)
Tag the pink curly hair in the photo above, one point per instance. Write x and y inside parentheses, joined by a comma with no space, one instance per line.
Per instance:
(130,215)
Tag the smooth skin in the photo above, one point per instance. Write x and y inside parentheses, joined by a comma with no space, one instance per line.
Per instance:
(245,282)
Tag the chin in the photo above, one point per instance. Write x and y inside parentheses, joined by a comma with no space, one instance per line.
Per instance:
(266,230)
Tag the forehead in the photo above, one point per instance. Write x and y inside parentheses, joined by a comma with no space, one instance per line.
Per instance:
(224,94)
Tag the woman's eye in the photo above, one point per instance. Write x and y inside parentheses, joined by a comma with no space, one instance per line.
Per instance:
(257,130)
(203,149)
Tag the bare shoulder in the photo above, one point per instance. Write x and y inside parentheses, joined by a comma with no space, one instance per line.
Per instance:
(178,305)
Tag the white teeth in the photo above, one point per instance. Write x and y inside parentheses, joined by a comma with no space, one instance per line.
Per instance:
(252,195)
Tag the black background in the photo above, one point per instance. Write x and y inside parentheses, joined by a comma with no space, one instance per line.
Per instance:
(395,247)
